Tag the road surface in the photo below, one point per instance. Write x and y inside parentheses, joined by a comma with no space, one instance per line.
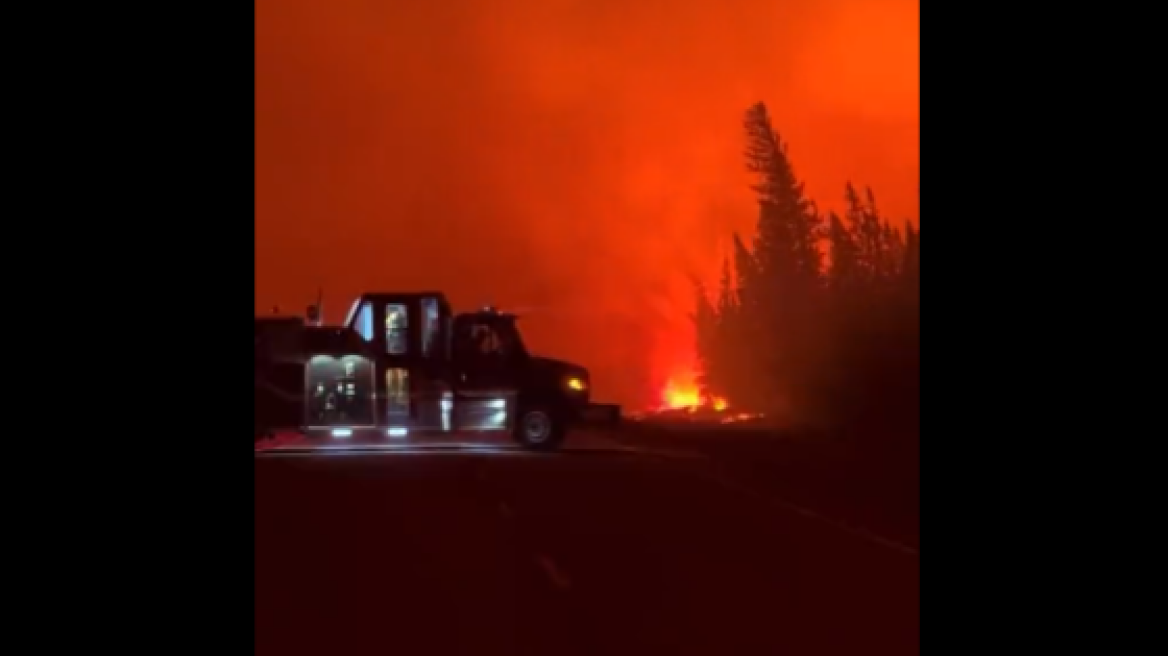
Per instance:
(837,481)
(598,552)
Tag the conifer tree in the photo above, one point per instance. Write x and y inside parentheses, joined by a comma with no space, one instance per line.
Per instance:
(843,274)
(789,226)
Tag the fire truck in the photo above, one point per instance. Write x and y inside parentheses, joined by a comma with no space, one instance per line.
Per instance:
(404,365)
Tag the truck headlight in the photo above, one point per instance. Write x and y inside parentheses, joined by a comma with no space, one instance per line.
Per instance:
(576,384)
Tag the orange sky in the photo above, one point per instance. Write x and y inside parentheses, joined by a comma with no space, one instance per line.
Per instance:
(578,156)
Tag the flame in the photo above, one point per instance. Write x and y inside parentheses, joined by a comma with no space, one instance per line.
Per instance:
(677,360)
(680,395)
(683,392)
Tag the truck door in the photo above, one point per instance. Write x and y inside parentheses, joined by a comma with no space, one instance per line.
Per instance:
(485,382)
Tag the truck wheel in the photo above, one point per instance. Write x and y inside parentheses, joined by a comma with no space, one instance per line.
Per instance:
(539,429)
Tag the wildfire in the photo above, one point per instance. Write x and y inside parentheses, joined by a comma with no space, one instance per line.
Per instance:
(677,395)
(685,394)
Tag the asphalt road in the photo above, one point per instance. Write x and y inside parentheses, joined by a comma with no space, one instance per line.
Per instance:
(596,552)
(881,497)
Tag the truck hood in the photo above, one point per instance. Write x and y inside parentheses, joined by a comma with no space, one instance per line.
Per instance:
(558,367)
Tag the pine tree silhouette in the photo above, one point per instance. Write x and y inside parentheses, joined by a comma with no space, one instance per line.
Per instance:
(844,275)
(836,341)
(789,226)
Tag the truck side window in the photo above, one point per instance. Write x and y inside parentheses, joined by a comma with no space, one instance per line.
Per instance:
(484,339)
(491,343)
(396,333)
(364,322)
(431,327)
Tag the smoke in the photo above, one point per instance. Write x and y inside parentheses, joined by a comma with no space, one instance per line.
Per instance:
(578,156)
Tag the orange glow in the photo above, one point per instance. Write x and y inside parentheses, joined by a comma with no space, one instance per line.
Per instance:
(584,158)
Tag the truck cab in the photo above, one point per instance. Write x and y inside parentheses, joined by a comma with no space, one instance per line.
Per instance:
(440,372)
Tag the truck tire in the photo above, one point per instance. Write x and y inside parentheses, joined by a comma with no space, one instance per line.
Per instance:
(538,428)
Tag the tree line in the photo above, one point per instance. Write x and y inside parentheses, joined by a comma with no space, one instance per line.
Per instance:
(818,319)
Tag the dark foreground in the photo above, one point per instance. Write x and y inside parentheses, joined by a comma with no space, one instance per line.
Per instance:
(587,553)
(876,492)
